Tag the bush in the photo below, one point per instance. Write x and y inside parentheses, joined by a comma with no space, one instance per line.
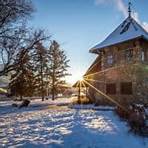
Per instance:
(25,103)
(14,105)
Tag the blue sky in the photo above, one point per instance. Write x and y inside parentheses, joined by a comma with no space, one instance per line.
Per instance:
(78,25)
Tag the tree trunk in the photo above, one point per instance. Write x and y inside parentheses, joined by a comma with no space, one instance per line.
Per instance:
(79,94)
(53,88)
(53,85)
(53,93)
(21,97)
(42,87)
(42,98)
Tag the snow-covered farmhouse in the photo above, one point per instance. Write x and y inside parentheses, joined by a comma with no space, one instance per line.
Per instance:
(121,67)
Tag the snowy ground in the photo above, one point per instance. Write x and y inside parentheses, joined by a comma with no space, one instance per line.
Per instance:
(43,124)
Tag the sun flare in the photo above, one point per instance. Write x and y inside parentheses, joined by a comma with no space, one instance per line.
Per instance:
(81,78)
(75,77)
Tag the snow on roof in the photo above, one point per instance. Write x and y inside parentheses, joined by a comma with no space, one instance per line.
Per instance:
(129,29)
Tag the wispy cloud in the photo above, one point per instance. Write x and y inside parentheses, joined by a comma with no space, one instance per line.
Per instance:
(121,7)
(119,4)
(144,24)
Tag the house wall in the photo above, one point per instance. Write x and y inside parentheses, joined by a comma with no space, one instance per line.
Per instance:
(121,71)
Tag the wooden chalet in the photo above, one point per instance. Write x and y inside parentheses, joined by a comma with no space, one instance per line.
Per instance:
(120,69)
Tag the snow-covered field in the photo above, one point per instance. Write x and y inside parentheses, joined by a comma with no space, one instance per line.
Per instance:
(45,125)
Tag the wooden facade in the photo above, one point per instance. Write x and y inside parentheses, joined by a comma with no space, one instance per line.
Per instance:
(120,71)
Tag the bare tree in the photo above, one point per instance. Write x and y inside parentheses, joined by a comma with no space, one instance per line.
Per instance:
(22,64)
(24,38)
(13,13)
(17,41)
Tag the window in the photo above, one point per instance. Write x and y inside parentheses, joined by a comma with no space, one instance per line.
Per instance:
(111,88)
(110,59)
(129,54)
(142,56)
(126,88)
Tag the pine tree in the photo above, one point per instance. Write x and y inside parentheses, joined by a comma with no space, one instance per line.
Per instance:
(57,67)
(40,65)
(22,80)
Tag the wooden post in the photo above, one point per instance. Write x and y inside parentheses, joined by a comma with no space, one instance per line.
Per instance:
(79,94)
(86,91)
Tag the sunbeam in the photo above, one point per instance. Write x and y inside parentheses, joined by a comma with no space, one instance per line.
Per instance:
(83,84)
(102,71)
(106,96)
(95,80)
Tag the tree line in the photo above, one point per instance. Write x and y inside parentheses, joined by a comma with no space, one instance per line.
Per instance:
(32,66)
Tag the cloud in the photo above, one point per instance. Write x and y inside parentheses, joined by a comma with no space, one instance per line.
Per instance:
(143,24)
(121,7)
(119,4)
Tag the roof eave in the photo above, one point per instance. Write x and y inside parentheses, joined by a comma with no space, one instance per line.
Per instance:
(97,50)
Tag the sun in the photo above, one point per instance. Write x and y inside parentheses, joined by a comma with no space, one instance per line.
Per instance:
(81,78)
(74,77)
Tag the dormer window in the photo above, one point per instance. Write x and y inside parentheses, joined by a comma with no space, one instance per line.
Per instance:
(110,59)
(129,54)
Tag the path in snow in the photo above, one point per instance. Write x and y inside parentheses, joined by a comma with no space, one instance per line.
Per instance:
(60,127)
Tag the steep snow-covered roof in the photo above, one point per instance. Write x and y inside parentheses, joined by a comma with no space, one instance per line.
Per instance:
(128,30)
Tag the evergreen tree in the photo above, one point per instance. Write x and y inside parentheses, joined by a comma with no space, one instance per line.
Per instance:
(57,67)
(22,80)
(40,66)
